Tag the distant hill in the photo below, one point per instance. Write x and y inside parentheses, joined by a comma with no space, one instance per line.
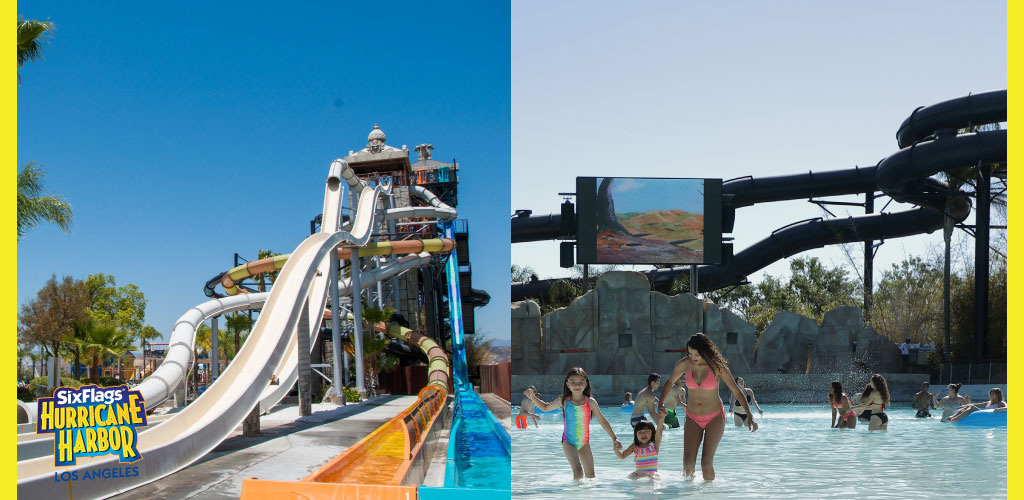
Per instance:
(501,354)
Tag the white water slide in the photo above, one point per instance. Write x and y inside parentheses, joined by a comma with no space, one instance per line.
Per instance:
(269,350)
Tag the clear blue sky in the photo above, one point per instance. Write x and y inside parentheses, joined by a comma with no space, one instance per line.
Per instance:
(643,195)
(183,133)
(689,89)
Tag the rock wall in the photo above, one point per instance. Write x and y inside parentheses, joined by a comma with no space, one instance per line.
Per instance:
(623,328)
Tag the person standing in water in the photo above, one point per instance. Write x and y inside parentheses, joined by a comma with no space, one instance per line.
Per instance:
(924,401)
(676,397)
(952,401)
(877,400)
(645,400)
(738,416)
(578,407)
(526,410)
(703,367)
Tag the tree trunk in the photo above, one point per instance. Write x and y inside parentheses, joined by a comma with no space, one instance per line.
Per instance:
(606,218)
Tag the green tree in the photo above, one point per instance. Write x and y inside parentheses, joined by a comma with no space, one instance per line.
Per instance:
(34,208)
(269,276)
(237,327)
(47,319)
(121,306)
(374,358)
(906,304)
(99,340)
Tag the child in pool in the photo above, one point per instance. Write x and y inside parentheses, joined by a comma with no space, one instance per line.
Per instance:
(577,409)
(646,443)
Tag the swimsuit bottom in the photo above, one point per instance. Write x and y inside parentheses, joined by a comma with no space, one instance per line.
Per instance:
(923,412)
(882,416)
(521,422)
(671,420)
(704,420)
(865,415)
(742,416)
(848,416)
(636,419)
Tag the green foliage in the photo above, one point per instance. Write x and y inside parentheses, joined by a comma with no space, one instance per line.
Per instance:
(522,273)
(907,302)
(31,37)
(38,385)
(962,313)
(123,307)
(811,290)
(47,319)
(26,394)
(33,207)
(98,340)
(479,349)
(352,396)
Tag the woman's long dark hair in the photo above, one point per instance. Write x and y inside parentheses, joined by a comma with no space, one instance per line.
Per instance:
(867,391)
(836,394)
(641,425)
(566,393)
(956,388)
(707,350)
(883,388)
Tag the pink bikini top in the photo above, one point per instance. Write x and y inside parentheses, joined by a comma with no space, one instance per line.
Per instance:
(708,384)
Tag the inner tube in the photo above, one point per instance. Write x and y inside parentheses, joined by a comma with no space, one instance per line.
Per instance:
(985,418)
(627,408)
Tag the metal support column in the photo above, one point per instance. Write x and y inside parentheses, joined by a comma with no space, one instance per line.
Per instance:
(869,261)
(981,239)
(214,358)
(356,289)
(305,372)
(339,375)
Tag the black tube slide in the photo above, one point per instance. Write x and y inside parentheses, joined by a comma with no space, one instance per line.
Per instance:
(905,176)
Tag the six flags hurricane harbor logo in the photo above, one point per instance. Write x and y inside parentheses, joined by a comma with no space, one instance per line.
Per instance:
(93,421)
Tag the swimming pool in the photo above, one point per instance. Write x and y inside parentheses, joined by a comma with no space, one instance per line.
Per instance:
(794,454)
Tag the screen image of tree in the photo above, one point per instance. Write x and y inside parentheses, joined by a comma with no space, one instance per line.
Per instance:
(649,221)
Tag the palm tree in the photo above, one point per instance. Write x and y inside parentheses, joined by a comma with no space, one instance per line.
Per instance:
(33,208)
(235,325)
(373,346)
(31,36)
(98,340)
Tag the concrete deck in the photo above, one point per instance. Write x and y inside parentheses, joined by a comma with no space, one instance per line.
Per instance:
(287,450)
(501,409)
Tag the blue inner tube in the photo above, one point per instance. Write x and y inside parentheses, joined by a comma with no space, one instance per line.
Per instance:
(985,418)
(627,408)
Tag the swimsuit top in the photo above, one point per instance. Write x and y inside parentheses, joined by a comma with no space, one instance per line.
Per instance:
(708,384)
(874,403)
(840,405)
(991,406)
(646,458)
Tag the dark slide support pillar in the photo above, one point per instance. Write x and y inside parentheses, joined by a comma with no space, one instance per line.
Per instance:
(869,260)
(981,239)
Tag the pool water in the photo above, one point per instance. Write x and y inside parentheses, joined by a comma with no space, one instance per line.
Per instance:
(794,454)
(479,446)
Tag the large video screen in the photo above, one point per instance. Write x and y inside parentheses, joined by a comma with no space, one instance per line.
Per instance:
(634,220)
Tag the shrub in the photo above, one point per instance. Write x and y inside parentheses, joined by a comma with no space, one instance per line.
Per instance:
(25,394)
(38,385)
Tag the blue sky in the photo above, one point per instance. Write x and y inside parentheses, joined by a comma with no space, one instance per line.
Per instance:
(643,195)
(689,89)
(182,134)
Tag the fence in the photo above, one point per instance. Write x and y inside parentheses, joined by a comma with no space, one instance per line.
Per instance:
(993,373)
(497,379)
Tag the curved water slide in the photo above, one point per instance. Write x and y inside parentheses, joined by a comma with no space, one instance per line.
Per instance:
(194,431)
(929,145)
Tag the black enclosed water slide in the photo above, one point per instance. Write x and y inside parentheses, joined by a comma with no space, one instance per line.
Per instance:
(930,145)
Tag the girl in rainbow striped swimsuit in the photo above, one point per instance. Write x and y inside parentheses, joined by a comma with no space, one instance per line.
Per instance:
(577,408)
(646,442)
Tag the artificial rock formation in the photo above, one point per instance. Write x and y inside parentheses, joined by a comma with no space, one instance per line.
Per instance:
(622,327)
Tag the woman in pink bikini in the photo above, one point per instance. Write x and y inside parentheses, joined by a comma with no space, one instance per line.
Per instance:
(705,414)
(841,406)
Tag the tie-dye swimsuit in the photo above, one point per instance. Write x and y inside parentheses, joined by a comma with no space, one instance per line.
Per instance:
(647,459)
(577,423)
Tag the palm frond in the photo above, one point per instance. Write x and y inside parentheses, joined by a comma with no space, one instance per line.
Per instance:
(31,37)
(34,209)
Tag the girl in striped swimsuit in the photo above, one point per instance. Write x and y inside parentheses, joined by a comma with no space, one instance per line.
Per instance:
(577,409)
(646,442)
